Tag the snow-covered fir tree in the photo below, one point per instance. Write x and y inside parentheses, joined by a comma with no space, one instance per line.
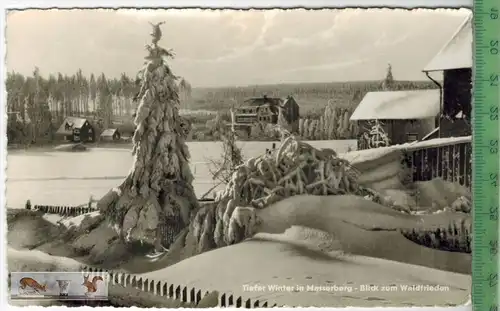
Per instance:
(388,82)
(156,199)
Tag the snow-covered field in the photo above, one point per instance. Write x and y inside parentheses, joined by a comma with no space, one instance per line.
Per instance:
(287,270)
(67,178)
(303,267)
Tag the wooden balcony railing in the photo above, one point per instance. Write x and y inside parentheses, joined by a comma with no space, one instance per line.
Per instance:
(448,158)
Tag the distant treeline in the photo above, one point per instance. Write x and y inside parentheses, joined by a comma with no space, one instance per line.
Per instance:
(37,105)
(310,96)
(66,95)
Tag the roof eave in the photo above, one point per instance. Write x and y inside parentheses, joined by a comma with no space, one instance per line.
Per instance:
(392,118)
(444,69)
(462,25)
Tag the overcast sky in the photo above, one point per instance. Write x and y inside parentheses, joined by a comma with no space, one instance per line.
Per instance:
(218,48)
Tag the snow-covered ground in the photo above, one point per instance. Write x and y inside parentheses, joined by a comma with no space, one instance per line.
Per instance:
(34,260)
(307,267)
(300,267)
(260,268)
(310,267)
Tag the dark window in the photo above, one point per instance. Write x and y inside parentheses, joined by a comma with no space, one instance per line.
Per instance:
(457,93)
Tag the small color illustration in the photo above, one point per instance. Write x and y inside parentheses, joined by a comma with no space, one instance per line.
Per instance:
(63,287)
(91,285)
(30,286)
(59,286)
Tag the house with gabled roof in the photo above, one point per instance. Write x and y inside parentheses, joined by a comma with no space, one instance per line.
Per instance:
(266,109)
(404,115)
(110,135)
(76,130)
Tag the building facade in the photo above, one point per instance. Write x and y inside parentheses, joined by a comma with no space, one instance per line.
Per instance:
(266,110)
(403,116)
(454,62)
(76,130)
(110,135)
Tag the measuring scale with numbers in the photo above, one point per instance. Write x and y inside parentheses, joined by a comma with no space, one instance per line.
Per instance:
(486,133)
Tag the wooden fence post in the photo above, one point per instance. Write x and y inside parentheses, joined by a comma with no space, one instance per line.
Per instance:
(184,296)
(198,296)
(177,292)
(152,286)
(158,289)
(222,300)
(192,295)
(164,289)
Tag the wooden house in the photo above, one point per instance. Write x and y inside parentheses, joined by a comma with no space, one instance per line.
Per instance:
(110,135)
(76,130)
(405,115)
(266,110)
(446,152)
(454,61)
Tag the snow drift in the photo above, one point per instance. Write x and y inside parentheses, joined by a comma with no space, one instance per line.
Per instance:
(278,260)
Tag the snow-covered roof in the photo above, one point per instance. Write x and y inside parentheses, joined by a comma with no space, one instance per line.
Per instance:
(366,155)
(108,132)
(437,142)
(73,123)
(398,105)
(457,52)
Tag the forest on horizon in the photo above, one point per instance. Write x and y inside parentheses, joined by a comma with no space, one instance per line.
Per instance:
(44,102)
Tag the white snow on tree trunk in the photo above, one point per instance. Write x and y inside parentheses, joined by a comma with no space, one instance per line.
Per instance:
(159,184)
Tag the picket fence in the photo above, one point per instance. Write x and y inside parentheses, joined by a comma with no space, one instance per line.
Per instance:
(61,210)
(180,293)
